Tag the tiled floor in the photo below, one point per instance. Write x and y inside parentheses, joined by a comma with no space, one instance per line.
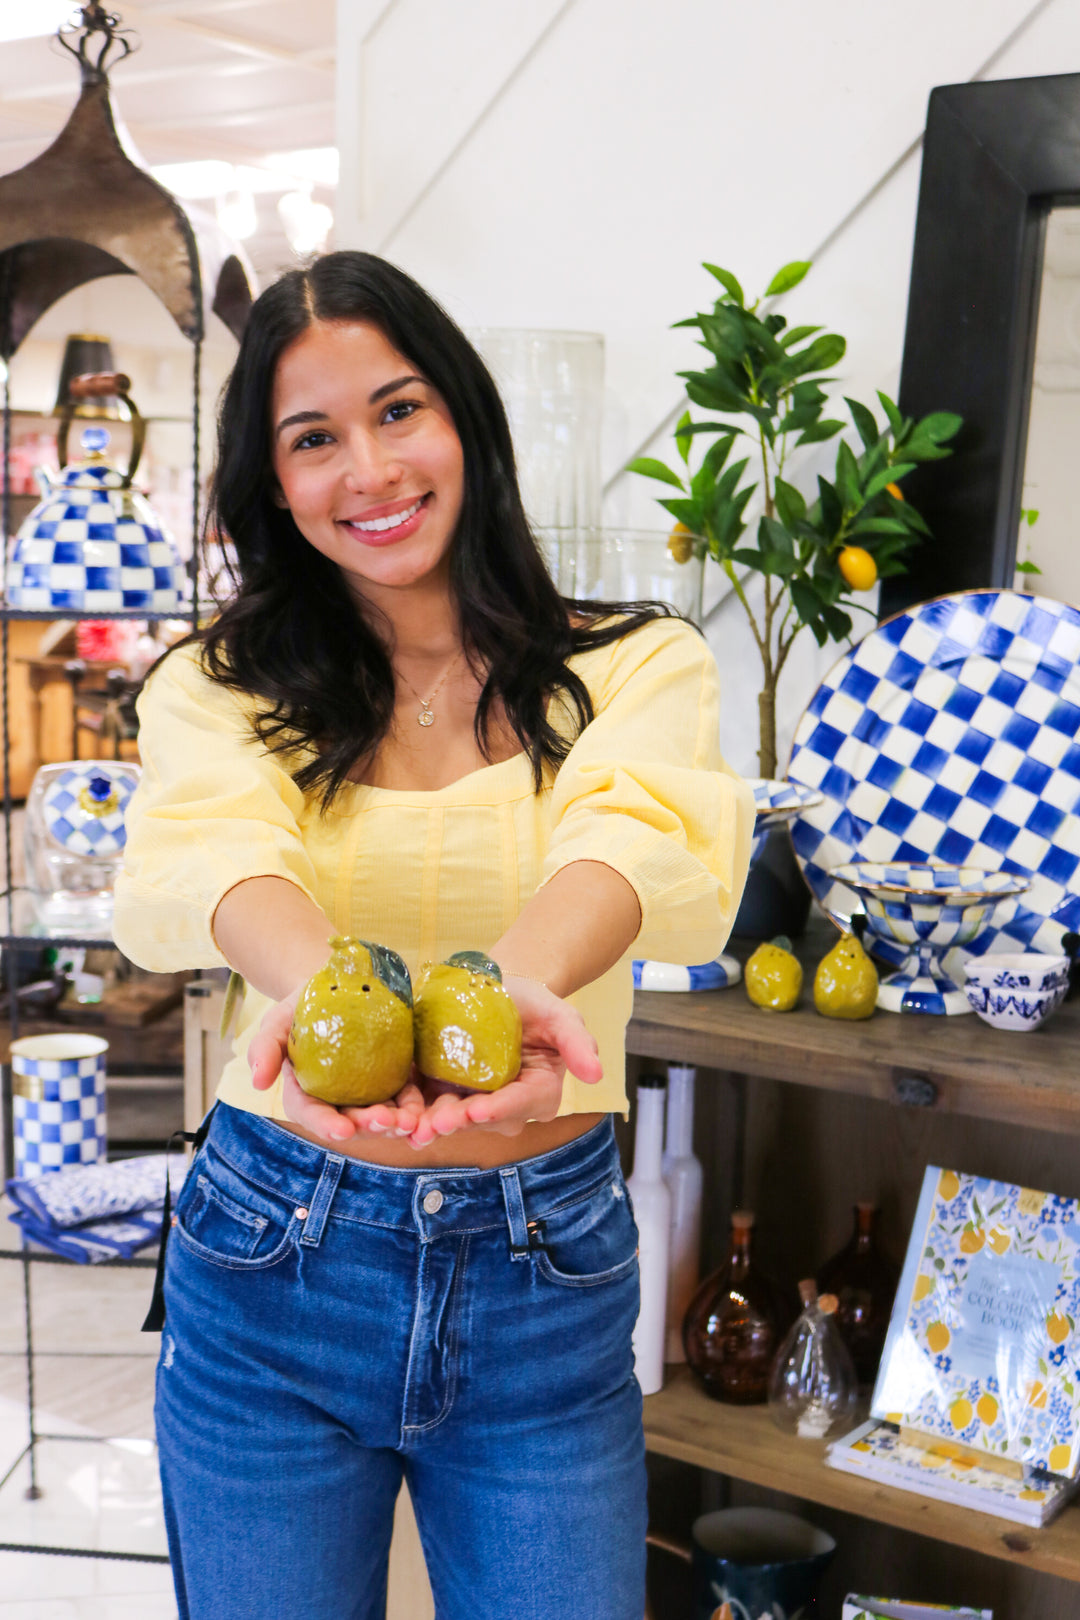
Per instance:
(95,1375)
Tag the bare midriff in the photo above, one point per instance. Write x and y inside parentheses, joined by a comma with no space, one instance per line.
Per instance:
(476,1149)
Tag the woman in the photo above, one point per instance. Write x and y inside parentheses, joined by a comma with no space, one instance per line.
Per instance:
(398,730)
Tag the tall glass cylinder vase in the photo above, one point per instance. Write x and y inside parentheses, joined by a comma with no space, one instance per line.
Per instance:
(627,565)
(552,384)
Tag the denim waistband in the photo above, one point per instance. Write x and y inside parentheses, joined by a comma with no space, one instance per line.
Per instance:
(432,1201)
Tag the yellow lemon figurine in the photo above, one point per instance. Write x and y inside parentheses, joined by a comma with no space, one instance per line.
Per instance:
(467,1027)
(846,981)
(351,1039)
(773,976)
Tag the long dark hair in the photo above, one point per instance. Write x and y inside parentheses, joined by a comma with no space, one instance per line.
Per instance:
(292,637)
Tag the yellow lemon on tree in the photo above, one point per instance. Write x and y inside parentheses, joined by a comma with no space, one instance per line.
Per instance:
(987,1408)
(1058,1460)
(924,1285)
(1058,1327)
(858,568)
(960,1414)
(846,981)
(937,1337)
(895,491)
(468,1029)
(681,543)
(773,976)
(351,1038)
(948,1185)
(972,1238)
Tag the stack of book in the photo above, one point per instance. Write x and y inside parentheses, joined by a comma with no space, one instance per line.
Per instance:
(977,1399)
(872,1608)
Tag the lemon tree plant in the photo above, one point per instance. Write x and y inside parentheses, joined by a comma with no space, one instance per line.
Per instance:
(813,554)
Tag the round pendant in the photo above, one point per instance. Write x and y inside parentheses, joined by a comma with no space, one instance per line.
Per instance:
(425,718)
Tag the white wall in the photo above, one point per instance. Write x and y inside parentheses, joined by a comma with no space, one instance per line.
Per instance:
(570,164)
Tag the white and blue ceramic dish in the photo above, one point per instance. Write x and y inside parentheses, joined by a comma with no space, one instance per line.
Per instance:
(775,803)
(925,910)
(1017,991)
(718,975)
(951,733)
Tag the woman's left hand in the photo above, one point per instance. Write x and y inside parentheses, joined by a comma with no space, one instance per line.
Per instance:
(553,1039)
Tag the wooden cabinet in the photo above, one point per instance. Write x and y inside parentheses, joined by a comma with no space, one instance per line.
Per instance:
(806,1114)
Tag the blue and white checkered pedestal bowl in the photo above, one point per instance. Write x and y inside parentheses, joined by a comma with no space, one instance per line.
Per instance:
(774,803)
(716,975)
(75,836)
(59,1101)
(952,733)
(1017,991)
(926,909)
(92,546)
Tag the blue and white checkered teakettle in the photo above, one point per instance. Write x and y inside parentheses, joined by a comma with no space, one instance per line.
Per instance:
(93,545)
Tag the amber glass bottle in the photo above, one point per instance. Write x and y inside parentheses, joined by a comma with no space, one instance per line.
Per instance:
(735,1323)
(864,1281)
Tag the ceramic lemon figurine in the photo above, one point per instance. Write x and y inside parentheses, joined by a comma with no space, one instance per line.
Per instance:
(846,981)
(773,976)
(467,1028)
(351,1041)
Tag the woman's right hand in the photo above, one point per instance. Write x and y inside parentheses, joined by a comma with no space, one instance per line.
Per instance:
(268,1057)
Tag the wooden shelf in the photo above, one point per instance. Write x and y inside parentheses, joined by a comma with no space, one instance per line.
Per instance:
(744,1443)
(1017,1078)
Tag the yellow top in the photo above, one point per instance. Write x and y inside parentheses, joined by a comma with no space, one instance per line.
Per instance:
(644,790)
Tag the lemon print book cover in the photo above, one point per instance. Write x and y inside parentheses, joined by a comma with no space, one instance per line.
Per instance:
(871,1608)
(982,1348)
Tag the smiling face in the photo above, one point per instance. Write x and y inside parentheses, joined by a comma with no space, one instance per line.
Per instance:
(367,459)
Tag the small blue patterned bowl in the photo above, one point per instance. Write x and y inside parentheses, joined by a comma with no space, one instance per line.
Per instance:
(1016,991)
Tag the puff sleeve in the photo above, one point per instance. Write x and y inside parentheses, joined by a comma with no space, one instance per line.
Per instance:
(645,790)
(213,807)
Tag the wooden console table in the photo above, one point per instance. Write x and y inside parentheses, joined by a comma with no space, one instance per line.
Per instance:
(925,1064)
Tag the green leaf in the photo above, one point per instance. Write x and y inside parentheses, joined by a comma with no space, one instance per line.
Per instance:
(692,428)
(808,393)
(838,622)
(832,510)
(847,477)
(787,277)
(789,503)
(772,536)
(821,355)
(799,334)
(1028,568)
(819,431)
(648,467)
(939,425)
(683,440)
(899,424)
(724,517)
(1030,515)
(749,559)
(728,282)
(689,512)
(716,455)
(701,483)
(865,424)
(808,603)
(879,525)
(713,391)
(887,475)
(725,332)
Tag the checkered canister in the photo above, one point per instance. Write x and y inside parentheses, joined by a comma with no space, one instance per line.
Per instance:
(59,1101)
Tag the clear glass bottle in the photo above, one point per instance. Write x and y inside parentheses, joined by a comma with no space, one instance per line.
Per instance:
(812,1386)
(652,1211)
(735,1323)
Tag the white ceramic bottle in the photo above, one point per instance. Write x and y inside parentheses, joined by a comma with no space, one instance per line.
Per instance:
(652,1210)
(683,1175)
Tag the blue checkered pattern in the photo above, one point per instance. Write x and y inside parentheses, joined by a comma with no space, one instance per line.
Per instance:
(774,803)
(952,733)
(67,1126)
(93,547)
(77,829)
(716,975)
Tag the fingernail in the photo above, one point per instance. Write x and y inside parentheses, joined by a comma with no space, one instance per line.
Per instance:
(401,1131)
(378,1129)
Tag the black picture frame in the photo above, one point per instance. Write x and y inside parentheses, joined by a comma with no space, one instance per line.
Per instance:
(997,157)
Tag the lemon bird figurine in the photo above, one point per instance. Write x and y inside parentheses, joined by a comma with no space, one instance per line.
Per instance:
(467,1028)
(351,1041)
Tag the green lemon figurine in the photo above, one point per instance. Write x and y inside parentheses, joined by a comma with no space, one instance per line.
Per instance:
(351,1041)
(846,981)
(773,976)
(467,1028)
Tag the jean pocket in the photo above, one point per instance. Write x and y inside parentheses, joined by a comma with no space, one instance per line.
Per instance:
(590,1241)
(220,1219)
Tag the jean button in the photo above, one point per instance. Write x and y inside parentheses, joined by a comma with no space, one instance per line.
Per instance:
(433,1202)
(301,1214)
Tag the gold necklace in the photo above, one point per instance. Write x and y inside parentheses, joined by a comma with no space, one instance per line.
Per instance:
(426,717)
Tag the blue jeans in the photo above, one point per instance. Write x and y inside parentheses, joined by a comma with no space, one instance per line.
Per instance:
(334,1327)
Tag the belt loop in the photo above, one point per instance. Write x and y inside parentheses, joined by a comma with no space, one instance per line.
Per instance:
(515,1212)
(319,1208)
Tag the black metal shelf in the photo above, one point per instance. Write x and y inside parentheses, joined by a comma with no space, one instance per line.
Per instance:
(75,614)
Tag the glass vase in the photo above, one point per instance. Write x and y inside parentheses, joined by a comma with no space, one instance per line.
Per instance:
(736,1322)
(812,1385)
(864,1281)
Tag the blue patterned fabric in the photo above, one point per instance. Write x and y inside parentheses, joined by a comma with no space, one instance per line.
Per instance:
(97,1211)
(952,733)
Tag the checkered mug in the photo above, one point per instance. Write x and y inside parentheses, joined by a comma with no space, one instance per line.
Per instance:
(58,1082)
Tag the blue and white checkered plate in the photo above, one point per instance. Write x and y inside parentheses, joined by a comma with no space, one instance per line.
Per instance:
(951,733)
